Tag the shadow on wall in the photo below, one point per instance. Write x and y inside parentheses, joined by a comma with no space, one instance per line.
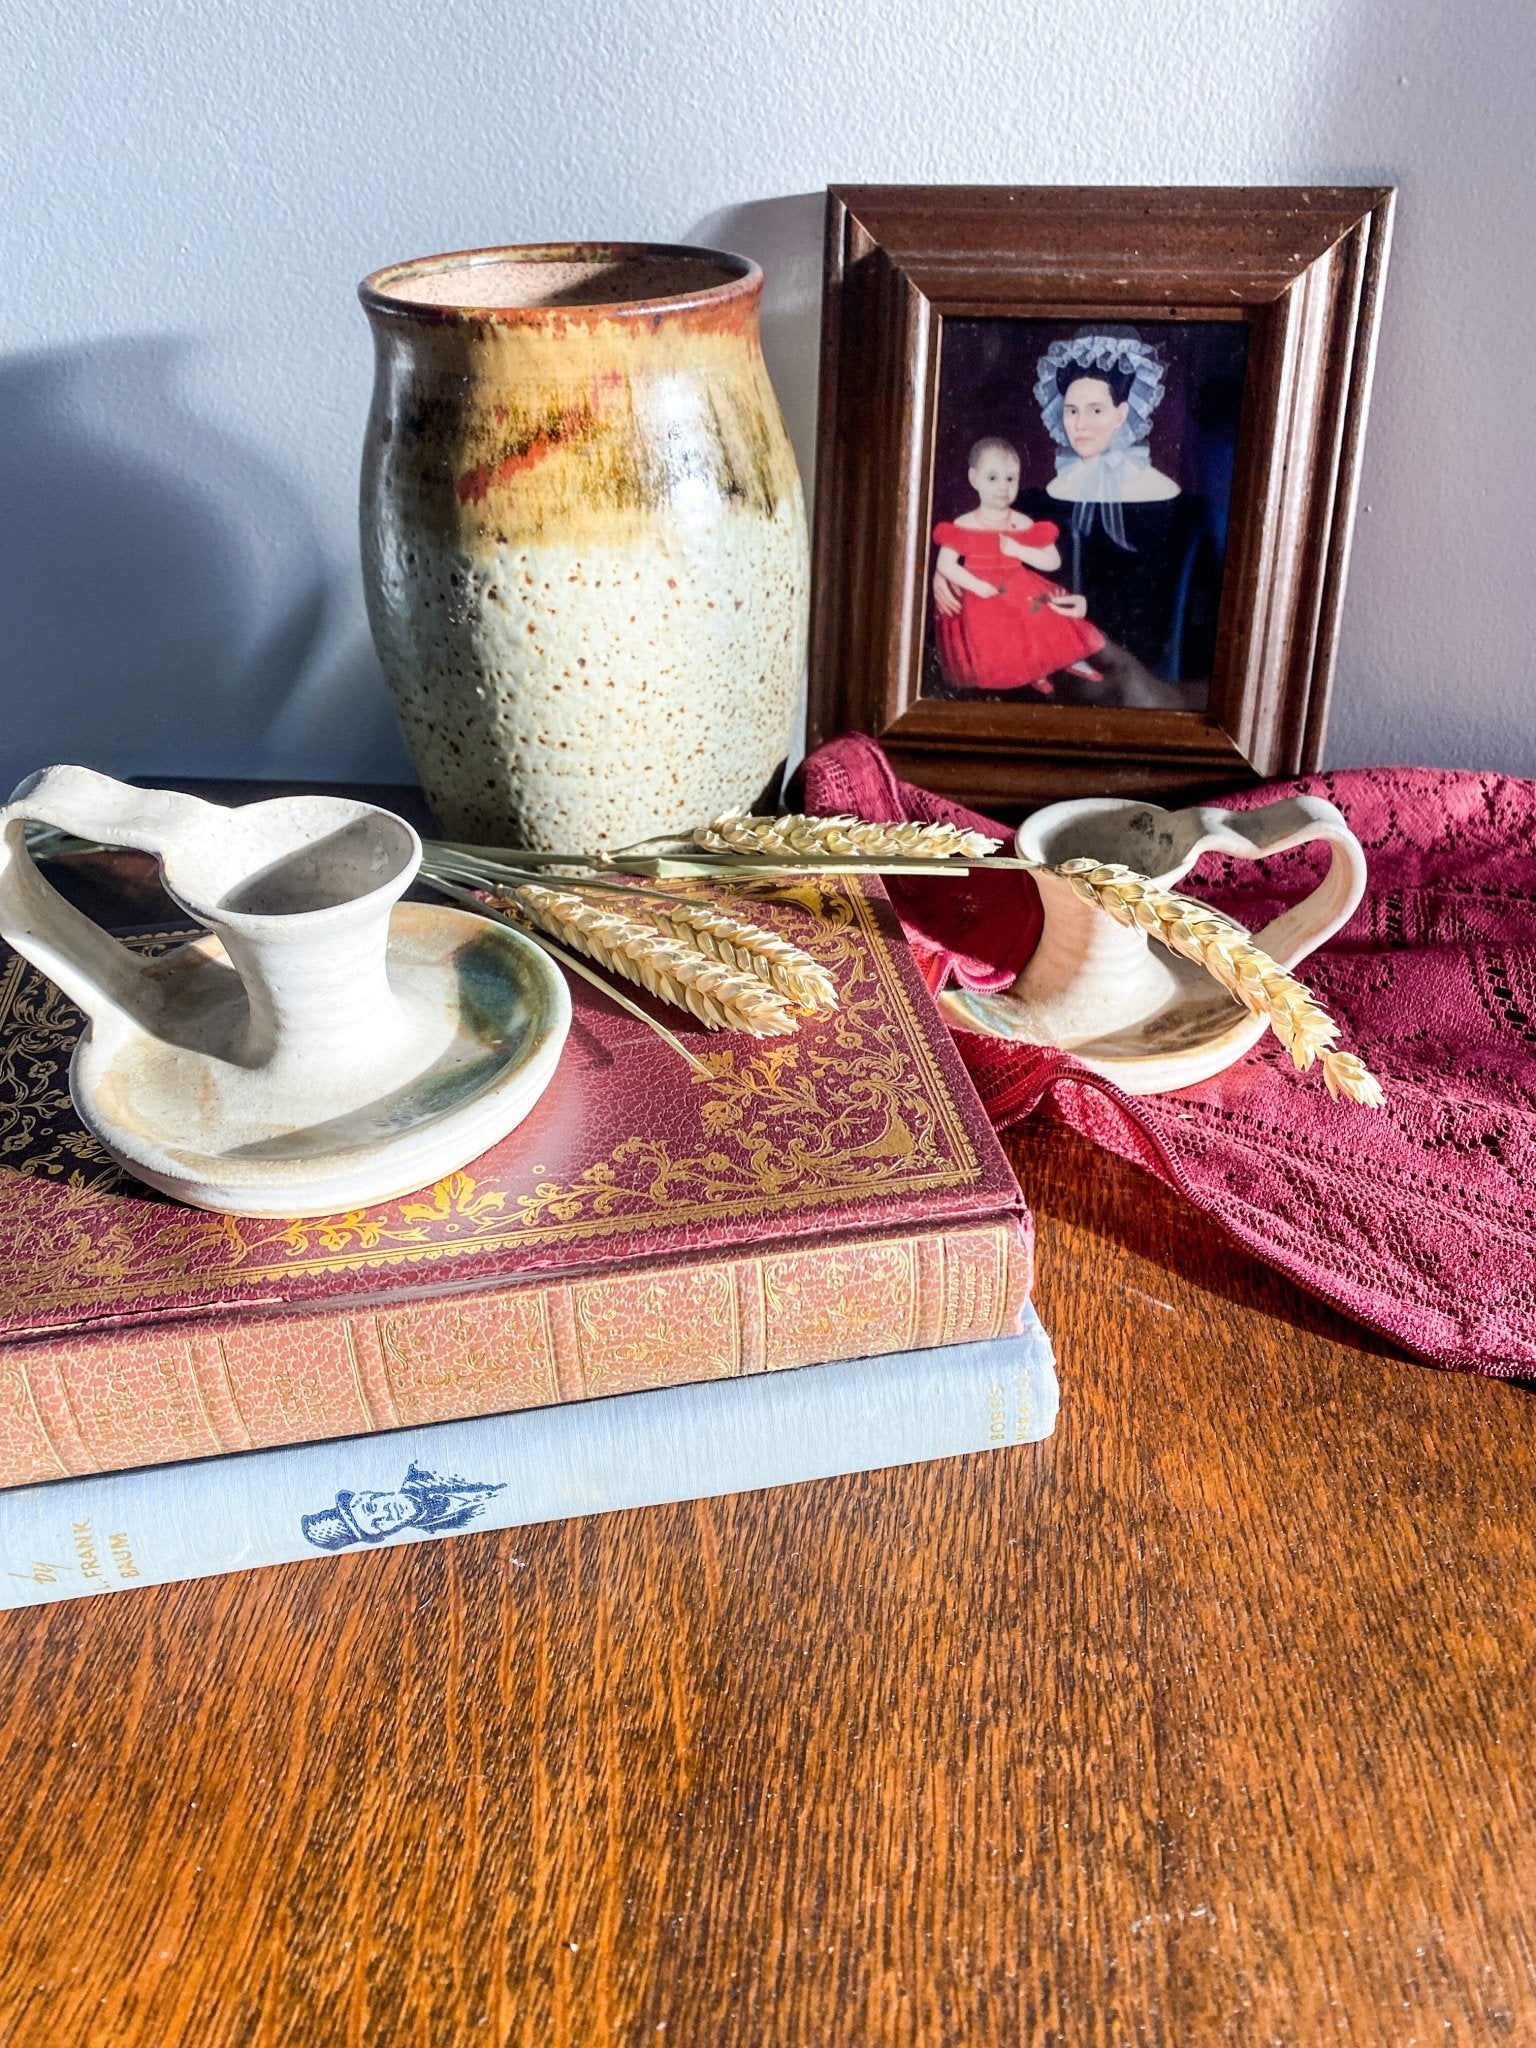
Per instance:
(1434,654)
(783,237)
(161,587)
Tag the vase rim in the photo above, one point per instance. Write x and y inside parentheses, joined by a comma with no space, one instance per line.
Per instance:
(579,265)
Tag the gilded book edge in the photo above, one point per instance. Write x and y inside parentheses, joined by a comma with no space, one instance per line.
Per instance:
(109,1400)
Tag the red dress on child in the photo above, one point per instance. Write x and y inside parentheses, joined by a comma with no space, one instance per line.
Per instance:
(1015,640)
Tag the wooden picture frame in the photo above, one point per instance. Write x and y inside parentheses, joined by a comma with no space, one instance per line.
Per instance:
(1299,268)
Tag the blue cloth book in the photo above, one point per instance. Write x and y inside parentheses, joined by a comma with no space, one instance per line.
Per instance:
(195,1520)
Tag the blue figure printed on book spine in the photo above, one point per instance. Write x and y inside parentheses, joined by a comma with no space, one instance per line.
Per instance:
(427,1501)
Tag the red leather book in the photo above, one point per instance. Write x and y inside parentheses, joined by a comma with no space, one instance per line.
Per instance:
(836,1194)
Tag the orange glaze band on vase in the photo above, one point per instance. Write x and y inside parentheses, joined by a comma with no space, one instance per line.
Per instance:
(583,538)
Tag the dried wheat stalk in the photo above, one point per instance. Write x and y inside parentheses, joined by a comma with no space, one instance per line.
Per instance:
(797,834)
(735,976)
(1197,932)
(717,994)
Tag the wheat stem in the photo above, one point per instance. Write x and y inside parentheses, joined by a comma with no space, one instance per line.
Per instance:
(491,874)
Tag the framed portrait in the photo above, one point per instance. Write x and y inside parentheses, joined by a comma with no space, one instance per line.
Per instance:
(1086,470)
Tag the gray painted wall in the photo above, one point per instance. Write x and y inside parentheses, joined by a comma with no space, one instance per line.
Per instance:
(193,191)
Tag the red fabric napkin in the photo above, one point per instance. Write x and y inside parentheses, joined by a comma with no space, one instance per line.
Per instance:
(1418,1219)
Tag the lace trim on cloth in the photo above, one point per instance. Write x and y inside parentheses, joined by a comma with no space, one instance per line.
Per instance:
(1418,1219)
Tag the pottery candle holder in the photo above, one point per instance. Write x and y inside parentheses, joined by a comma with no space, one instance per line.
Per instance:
(324,1046)
(584,546)
(1124,1005)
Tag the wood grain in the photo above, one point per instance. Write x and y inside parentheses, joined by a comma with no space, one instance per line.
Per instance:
(1207,1722)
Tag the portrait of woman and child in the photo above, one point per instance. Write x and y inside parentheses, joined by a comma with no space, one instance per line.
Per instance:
(1084,479)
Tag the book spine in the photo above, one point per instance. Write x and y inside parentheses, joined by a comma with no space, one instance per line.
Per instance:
(108,1400)
(104,1535)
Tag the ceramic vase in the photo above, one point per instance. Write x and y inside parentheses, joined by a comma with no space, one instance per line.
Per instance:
(584,542)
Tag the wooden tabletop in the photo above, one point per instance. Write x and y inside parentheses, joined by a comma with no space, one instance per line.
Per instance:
(1209,1721)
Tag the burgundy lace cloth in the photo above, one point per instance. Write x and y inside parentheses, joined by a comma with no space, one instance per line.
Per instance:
(1418,1219)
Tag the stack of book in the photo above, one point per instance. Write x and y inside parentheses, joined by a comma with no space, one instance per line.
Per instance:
(835,1196)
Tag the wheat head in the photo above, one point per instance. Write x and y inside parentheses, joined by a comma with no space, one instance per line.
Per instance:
(1197,932)
(797,834)
(1348,1076)
(747,949)
(718,995)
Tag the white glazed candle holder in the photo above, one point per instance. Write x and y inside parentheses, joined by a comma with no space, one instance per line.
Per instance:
(325,1046)
(1124,1005)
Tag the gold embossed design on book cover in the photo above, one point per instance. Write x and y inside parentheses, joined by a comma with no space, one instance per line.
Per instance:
(847,1115)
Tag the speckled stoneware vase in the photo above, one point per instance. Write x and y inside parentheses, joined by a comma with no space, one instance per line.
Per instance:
(583,538)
